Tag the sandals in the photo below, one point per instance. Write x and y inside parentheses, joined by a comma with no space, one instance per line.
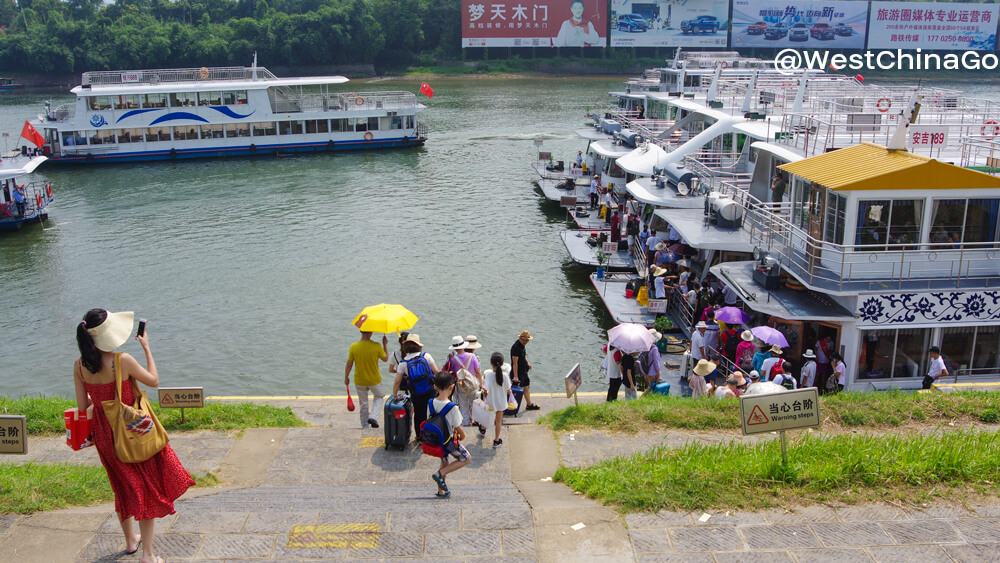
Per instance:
(439,479)
(138,544)
(446,494)
(497,443)
(532,407)
(482,430)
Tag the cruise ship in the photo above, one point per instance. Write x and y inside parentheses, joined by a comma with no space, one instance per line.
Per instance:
(171,114)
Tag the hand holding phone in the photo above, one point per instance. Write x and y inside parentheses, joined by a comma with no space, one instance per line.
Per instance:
(142,328)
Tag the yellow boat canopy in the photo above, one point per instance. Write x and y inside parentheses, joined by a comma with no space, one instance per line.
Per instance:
(873,167)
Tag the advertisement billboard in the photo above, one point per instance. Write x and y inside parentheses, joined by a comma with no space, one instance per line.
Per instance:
(549,23)
(908,25)
(807,25)
(669,23)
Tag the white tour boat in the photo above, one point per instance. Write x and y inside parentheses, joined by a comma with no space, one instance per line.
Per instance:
(212,112)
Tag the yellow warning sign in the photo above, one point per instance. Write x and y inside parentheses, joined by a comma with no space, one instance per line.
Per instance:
(182,397)
(351,536)
(372,442)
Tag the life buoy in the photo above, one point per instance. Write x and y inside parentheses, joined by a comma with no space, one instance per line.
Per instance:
(38,200)
(253,149)
(369,136)
(786,85)
(989,130)
(48,190)
(359,100)
(724,64)
(203,73)
(883,104)
(173,153)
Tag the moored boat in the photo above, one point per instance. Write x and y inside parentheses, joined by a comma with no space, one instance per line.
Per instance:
(22,204)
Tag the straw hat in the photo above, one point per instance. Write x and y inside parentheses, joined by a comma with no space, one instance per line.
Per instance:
(658,271)
(656,335)
(660,246)
(704,367)
(701,324)
(775,349)
(457,343)
(809,354)
(413,337)
(746,335)
(113,332)
(472,342)
(526,335)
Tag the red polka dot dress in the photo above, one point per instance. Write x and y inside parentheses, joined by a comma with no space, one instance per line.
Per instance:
(142,490)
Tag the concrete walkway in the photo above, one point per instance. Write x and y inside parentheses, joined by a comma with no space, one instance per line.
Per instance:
(332,493)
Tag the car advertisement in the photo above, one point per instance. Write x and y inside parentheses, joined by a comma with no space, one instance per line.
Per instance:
(546,23)
(810,25)
(908,25)
(669,23)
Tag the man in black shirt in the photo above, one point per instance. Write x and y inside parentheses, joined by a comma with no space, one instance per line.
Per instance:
(520,366)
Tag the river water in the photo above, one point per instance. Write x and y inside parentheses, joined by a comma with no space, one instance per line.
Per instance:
(251,270)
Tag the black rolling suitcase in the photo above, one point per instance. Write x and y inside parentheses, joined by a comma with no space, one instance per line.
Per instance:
(518,393)
(397,420)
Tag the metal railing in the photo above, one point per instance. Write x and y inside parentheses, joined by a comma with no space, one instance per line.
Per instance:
(109,77)
(32,192)
(968,375)
(286,101)
(64,112)
(982,153)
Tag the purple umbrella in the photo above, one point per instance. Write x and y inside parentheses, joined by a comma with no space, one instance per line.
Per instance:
(732,315)
(630,338)
(770,335)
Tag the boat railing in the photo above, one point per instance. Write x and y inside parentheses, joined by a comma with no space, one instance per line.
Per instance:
(157,76)
(982,153)
(681,310)
(288,102)
(844,267)
(713,177)
(63,112)
(421,130)
(33,193)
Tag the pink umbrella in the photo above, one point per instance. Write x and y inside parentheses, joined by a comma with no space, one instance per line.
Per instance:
(732,315)
(770,335)
(630,338)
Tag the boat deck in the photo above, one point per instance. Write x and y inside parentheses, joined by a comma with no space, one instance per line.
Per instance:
(553,193)
(568,172)
(623,309)
(691,224)
(591,223)
(586,255)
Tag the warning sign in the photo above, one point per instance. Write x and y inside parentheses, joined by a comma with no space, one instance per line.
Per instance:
(780,411)
(13,434)
(182,397)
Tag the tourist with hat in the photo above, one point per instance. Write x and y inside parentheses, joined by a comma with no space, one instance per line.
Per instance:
(763,352)
(745,350)
(731,389)
(767,366)
(699,388)
(808,373)
(468,377)
(414,354)
(595,184)
(520,367)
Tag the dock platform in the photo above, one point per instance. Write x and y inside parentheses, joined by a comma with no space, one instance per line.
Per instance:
(623,309)
(586,255)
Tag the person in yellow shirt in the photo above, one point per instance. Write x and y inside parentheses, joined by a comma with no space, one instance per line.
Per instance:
(364,356)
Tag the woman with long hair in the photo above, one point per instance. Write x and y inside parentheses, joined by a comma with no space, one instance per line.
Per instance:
(145,490)
(497,384)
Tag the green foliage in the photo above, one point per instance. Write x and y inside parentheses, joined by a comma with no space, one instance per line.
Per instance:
(847,468)
(44,415)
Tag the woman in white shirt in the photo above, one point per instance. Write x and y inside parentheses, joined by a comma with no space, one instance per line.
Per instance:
(839,370)
(496,383)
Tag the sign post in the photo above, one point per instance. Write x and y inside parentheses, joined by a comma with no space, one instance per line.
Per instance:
(574,379)
(778,412)
(13,434)
(182,398)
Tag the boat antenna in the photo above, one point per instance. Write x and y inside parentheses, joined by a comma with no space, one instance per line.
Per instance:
(253,74)
(908,116)
(713,90)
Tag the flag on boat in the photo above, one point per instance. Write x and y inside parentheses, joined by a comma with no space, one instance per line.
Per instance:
(859,78)
(426,90)
(31,134)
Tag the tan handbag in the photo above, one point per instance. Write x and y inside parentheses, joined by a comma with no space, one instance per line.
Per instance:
(137,433)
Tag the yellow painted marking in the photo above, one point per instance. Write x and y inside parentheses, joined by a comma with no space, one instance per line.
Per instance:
(372,442)
(344,397)
(967,384)
(351,536)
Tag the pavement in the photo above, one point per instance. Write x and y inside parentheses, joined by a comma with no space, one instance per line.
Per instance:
(331,492)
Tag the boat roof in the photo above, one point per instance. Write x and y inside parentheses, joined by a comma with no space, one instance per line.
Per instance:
(691,225)
(783,303)
(763,129)
(778,151)
(204,85)
(592,134)
(27,167)
(642,160)
(868,166)
(645,190)
(607,148)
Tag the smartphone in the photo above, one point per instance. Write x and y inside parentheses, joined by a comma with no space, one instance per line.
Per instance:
(142,328)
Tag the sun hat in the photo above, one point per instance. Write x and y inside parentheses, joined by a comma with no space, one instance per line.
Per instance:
(660,246)
(113,332)
(808,354)
(775,349)
(704,367)
(701,324)
(656,335)
(746,335)
(472,342)
(413,337)
(525,334)
(658,271)
(457,343)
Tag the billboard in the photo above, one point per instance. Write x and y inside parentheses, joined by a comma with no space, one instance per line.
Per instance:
(807,25)
(669,23)
(545,23)
(908,25)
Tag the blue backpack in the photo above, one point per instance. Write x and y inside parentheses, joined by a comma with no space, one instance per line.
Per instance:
(435,436)
(418,373)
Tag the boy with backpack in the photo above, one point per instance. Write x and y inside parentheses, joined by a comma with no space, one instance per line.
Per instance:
(441,434)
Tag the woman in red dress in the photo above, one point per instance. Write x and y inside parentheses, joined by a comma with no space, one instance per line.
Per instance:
(146,490)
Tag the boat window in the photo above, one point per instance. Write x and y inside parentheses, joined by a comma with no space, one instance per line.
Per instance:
(81,137)
(964,220)
(104,102)
(238,130)
(228,98)
(889,221)
(802,191)
(67,139)
(338,124)
(95,137)
(311,126)
(397,122)
(836,216)
(373,124)
(322,126)
(891,354)
(108,135)
(357,124)
(152,135)
(154,100)
(264,128)
(125,136)
(120,102)
(411,122)
(185,133)
(241,97)
(211,131)
(182,99)
(208,98)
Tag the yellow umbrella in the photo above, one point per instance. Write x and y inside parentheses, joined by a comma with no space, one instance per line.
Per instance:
(385,318)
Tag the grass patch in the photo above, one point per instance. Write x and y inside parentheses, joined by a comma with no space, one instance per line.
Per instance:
(881,410)
(44,415)
(35,487)
(844,468)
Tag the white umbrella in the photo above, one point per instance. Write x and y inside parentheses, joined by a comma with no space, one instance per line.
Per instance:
(630,338)
(764,388)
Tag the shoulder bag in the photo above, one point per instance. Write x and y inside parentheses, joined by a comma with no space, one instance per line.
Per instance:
(466,381)
(138,434)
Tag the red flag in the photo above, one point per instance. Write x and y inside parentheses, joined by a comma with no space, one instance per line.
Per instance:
(426,90)
(32,135)
(859,78)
